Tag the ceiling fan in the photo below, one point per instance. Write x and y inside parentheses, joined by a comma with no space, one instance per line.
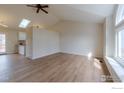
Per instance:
(39,7)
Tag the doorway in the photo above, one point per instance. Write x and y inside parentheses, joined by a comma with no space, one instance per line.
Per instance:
(2,43)
(22,43)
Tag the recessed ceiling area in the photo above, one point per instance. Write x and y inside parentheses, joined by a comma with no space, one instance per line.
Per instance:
(11,15)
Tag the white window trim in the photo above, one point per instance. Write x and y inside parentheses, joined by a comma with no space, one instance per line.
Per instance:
(118,27)
(117,58)
(115,69)
(118,17)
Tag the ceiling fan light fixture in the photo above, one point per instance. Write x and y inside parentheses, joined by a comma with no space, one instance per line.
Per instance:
(39,7)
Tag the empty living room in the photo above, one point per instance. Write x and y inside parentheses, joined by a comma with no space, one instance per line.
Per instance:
(61,43)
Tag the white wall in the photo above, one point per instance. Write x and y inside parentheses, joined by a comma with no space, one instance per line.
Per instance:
(22,36)
(110,34)
(109,37)
(11,39)
(29,42)
(80,38)
(44,42)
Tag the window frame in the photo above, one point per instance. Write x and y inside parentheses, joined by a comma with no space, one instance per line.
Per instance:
(119,26)
(4,42)
(118,43)
(119,18)
(117,58)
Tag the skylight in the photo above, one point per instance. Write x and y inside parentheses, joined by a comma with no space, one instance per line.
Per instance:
(24,23)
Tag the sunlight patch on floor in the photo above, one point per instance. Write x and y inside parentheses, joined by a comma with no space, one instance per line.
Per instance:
(97,63)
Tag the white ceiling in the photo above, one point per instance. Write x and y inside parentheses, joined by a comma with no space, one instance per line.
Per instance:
(98,9)
(95,13)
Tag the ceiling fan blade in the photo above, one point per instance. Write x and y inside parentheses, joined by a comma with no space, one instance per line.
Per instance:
(31,6)
(44,11)
(38,10)
(44,6)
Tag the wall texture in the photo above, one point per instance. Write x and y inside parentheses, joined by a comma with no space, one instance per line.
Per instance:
(109,37)
(44,42)
(29,42)
(69,37)
(80,38)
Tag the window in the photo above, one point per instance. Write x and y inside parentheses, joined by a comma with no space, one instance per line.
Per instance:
(2,43)
(120,35)
(120,14)
(24,23)
(120,44)
(120,47)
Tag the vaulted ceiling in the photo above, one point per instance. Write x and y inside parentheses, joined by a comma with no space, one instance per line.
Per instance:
(11,14)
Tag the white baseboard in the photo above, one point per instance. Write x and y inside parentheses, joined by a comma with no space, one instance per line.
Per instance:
(72,53)
(33,58)
(79,54)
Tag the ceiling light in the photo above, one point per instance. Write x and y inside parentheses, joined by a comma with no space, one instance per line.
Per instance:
(24,23)
(3,25)
(37,26)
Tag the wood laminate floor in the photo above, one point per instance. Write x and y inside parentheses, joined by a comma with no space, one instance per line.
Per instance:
(58,67)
